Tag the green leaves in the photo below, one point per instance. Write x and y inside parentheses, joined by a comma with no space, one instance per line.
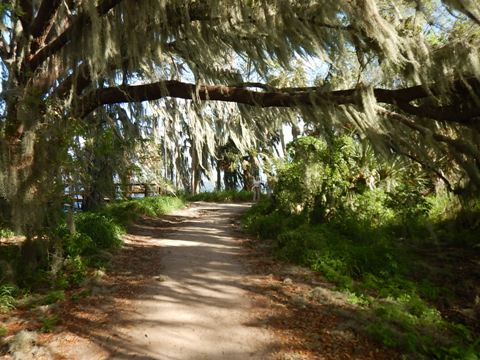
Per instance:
(318,177)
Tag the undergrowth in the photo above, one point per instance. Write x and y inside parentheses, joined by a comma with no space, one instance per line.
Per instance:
(223,196)
(71,257)
(124,212)
(361,223)
(6,233)
(366,261)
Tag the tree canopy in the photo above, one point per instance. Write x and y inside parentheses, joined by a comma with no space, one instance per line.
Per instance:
(403,74)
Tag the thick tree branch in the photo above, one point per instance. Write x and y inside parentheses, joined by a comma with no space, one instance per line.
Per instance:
(59,42)
(43,22)
(449,113)
(25,15)
(277,98)
(196,11)
(4,49)
(461,150)
(80,79)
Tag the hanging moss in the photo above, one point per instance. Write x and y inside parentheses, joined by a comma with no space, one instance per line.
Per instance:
(287,44)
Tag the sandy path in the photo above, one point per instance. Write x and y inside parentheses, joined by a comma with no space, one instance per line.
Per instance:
(195,304)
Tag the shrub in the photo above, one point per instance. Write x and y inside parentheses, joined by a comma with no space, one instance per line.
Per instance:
(6,233)
(223,196)
(78,244)
(76,269)
(103,231)
(54,296)
(48,323)
(157,206)
(266,226)
(124,212)
(7,297)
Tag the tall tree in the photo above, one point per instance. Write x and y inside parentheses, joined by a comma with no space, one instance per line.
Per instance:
(404,73)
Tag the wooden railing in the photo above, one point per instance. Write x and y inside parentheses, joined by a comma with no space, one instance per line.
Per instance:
(122,191)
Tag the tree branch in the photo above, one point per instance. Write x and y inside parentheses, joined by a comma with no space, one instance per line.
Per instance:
(442,113)
(276,98)
(59,42)
(4,49)
(80,78)
(43,22)
(25,15)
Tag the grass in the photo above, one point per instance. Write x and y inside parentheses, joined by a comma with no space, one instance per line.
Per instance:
(223,196)
(124,212)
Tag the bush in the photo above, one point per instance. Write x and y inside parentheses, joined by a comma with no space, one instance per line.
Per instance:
(267,224)
(103,231)
(78,244)
(223,196)
(157,206)
(48,323)
(76,269)
(6,233)
(7,297)
(124,212)
(54,296)
(360,223)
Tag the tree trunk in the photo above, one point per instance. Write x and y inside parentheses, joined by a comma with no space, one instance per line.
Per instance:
(230,180)
(195,169)
(219,177)
(100,173)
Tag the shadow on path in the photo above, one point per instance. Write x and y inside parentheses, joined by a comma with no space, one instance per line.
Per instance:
(177,291)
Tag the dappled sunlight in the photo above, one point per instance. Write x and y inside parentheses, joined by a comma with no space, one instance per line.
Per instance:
(182,288)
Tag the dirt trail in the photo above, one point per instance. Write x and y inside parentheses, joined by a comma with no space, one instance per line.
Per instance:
(190,302)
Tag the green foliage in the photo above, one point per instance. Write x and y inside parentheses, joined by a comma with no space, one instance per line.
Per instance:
(48,323)
(124,212)
(79,244)
(103,231)
(346,215)
(75,269)
(223,196)
(408,202)
(54,296)
(457,220)
(157,206)
(96,234)
(266,226)
(6,233)
(3,331)
(7,297)
(62,282)
(366,264)
(316,180)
